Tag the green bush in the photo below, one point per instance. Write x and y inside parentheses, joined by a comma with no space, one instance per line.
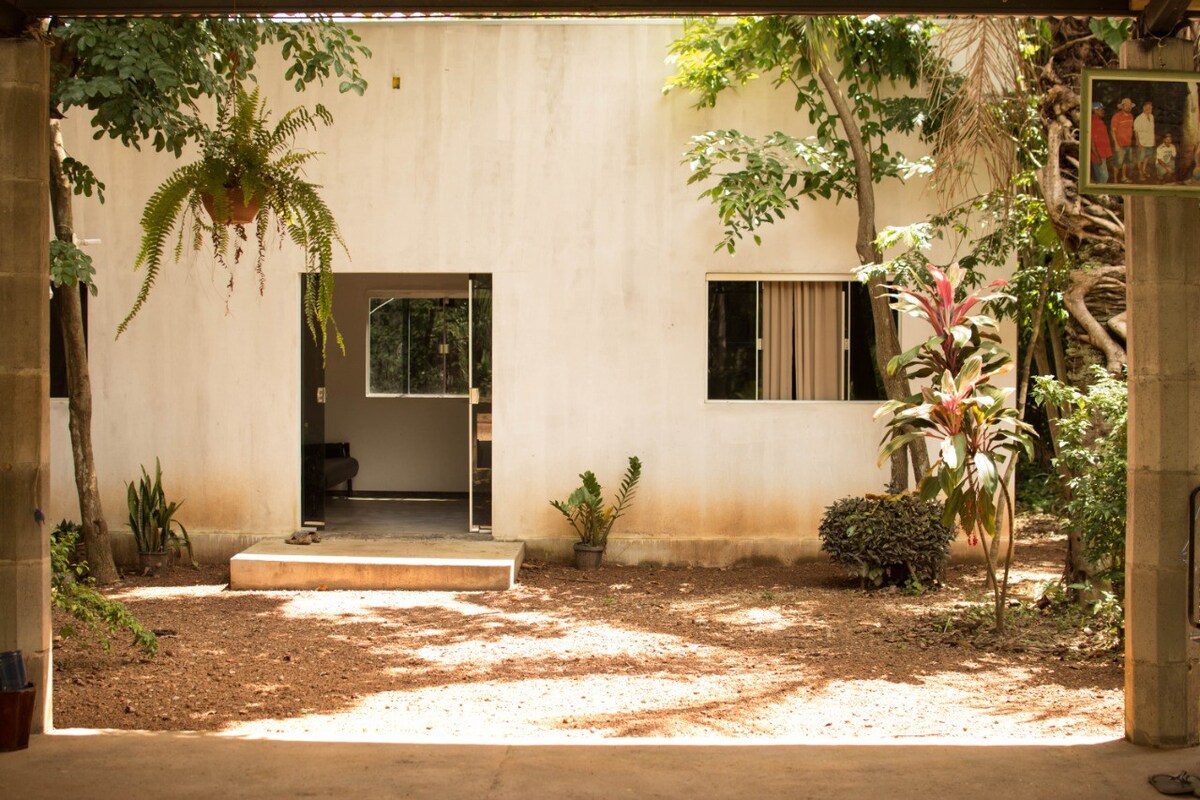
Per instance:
(1037,489)
(1092,463)
(888,539)
(71,592)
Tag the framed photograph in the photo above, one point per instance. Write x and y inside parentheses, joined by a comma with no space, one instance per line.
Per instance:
(1140,133)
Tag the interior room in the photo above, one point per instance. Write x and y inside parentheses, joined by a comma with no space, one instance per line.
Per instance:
(396,425)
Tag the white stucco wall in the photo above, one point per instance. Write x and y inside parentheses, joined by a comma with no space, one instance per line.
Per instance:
(544,153)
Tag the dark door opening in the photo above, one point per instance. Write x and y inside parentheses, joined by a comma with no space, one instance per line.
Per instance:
(416,366)
(312,426)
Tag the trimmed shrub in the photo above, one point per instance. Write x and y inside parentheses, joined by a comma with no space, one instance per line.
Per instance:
(894,539)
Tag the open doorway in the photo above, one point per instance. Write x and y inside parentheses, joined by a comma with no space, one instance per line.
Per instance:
(396,433)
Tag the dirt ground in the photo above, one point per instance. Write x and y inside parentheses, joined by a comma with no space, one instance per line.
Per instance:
(752,653)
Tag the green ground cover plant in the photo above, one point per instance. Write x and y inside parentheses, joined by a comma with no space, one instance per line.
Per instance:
(72,591)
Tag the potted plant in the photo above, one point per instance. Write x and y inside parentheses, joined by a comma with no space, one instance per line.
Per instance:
(16,702)
(152,520)
(592,522)
(248,172)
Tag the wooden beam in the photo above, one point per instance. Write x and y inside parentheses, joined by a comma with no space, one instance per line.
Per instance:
(1140,5)
(575,7)
(13,20)
(1161,17)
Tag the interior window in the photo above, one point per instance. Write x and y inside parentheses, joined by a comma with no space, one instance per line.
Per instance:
(791,340)
(417,346)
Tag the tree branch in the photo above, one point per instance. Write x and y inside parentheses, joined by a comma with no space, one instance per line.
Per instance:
(1080,282)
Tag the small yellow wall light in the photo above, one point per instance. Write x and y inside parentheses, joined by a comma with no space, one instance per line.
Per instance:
(395,81)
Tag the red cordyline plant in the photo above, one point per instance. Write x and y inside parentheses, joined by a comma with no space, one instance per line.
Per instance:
(960,411)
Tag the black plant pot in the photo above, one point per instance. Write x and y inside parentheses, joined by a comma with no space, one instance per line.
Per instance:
(16,718)
(588,556)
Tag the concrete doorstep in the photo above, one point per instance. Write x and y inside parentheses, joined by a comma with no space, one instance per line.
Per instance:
(435,565)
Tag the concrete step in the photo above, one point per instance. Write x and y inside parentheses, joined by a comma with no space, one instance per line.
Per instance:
(428,564)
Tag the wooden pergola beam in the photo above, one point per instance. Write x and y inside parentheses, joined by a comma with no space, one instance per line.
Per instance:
(1161,17)
(43,8)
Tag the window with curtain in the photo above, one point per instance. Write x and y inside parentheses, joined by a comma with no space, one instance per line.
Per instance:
(417,346)
(790,340)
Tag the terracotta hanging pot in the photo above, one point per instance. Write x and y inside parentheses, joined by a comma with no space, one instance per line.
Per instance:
(240,212)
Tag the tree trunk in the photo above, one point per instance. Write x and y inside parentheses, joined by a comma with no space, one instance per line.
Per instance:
(887,342)
(79,382)
(1091,227)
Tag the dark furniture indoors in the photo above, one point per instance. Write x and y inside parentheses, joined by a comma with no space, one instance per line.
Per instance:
(340,466)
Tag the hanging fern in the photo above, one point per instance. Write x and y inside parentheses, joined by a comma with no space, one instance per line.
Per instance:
(243,152)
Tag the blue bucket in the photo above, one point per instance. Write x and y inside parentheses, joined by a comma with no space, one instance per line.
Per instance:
(12,671)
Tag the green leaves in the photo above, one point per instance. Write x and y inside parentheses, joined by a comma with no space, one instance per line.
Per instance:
(152,518)
(770,178)
(142,80)
(1093,462)
(142,77)
(1113,32)
(773,173)
(81,178)
(896,443)
(887,538)
(319,50)
(960,411)
(584,508)
(70,266)
(244,151)
(75,594)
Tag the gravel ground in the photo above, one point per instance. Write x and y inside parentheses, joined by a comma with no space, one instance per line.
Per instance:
(748,653)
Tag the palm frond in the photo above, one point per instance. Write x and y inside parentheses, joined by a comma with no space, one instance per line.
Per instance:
(975,77)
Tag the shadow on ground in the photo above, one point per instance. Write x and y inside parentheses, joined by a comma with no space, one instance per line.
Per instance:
(750,652)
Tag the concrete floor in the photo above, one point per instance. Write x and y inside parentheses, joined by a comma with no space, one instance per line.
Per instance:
(127,765)
(399,518)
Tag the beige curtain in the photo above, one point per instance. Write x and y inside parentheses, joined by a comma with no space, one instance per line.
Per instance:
(802,340)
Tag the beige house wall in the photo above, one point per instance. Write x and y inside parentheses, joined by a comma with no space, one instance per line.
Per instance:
(544,153)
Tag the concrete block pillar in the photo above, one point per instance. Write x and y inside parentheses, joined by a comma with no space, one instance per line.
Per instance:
(24,381)
(1162,683)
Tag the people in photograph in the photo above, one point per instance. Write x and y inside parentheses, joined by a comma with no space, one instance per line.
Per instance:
(1143,134)
(1101,145)
(1165,158)
(1122,135)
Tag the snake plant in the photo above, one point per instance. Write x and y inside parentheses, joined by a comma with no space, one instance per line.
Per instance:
(152,518)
